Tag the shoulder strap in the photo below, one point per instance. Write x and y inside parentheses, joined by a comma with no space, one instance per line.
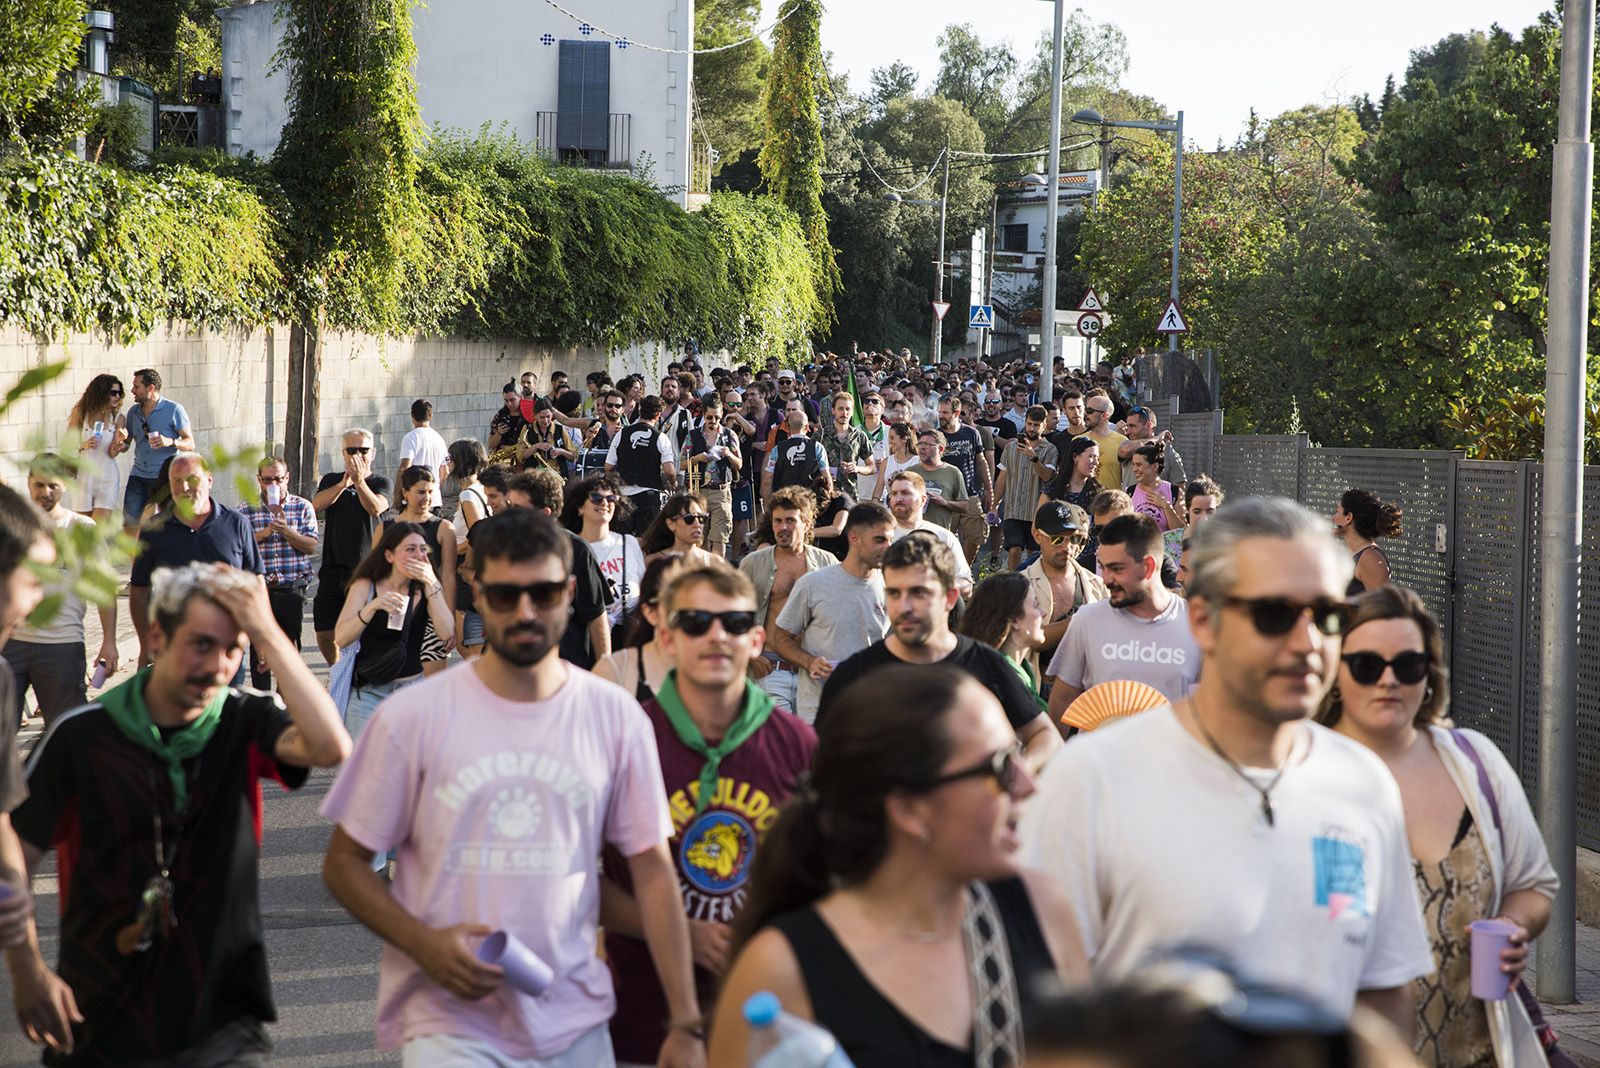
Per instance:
(996,1007)
(1485,787)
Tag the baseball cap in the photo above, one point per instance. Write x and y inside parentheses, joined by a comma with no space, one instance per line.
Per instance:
(785,373)
(1059,517)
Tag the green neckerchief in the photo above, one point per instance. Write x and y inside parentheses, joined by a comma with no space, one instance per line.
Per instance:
(126,705)
(756,711)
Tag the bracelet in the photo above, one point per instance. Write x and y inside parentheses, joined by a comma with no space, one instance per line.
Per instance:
(694,1027)
(436,590)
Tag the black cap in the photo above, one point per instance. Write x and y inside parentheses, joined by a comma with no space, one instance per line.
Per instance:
(1058,517)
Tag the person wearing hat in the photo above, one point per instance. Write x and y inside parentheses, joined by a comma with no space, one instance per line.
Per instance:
(1061,584)
(789,389)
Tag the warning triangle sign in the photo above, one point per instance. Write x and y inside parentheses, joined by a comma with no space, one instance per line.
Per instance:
(939,308)
(1172,321)
(1091,302)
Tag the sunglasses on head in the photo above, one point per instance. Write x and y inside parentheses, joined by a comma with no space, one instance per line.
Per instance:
(357,450)
(696,623)
(507,597)
(1003,764)
(1275,616)
(603,498)
(1366,669)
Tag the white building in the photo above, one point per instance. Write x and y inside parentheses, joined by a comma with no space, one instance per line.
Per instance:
(1020,213)
(586,92)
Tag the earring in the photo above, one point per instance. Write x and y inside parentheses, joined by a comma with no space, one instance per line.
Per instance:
(925,837)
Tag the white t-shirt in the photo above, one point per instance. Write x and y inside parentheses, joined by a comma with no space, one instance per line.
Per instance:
(1159,844)
(67,626)
(498,810)
(1105,644)
(963,569)
(424,447)
(621,563)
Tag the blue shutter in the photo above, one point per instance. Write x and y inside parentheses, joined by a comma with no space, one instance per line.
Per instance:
(583,96)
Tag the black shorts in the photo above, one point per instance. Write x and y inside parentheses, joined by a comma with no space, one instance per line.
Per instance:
(329,601)
(1018,533)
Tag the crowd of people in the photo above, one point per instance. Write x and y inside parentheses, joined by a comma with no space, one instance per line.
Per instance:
(960,716)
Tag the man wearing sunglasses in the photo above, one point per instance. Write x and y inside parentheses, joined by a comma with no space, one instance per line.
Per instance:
(349,501)
(1061,585)
(919,585)
(499,782)
(1229,814)
(1141,425)
(1139,633)
(729,758)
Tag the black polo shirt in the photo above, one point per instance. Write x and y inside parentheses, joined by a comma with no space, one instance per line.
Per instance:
(225,537)
(94,797)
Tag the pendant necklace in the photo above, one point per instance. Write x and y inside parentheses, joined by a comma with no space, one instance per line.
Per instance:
(1267,813)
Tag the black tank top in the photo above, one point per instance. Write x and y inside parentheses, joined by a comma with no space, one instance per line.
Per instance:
(870,1030)
(1356,585)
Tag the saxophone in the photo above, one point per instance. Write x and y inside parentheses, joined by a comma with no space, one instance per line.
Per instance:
(511,455)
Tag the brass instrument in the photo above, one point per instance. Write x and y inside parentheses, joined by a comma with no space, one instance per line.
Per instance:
(511,455)
(694,476)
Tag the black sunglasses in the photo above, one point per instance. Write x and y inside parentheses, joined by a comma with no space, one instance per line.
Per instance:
(691,517)
(507,597)
(116,393)
(357,450)
(696,623)
(602,498)
(1275,616)
(1003,764)
(1410,667)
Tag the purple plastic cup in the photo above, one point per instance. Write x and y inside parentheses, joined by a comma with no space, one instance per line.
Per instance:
(525,971)
(1489,939)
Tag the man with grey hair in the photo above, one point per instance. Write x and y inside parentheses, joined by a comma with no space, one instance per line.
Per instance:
(1228,819)
(153,793)
(350,501)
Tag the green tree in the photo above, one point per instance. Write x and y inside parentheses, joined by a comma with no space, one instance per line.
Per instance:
(728,84)
(1445,64)
(980,77)
(890,83)
(38,47)
(792,154)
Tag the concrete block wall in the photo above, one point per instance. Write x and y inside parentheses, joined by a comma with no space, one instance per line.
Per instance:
(234,385)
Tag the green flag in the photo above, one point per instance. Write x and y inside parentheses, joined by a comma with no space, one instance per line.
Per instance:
(855,395)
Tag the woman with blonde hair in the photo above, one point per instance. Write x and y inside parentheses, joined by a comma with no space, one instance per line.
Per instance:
(1476,849)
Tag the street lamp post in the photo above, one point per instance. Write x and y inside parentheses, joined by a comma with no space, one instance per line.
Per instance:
(1091,117)
(1047,306)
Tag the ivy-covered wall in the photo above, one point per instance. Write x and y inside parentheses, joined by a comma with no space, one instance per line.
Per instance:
(505,245)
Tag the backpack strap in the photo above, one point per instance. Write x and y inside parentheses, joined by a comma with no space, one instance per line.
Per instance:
(1484,785)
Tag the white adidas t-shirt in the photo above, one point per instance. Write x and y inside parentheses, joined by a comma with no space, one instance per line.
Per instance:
(1158,844)
(1104,644)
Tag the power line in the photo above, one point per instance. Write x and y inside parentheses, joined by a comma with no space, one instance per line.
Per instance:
(623,39)
(912,188)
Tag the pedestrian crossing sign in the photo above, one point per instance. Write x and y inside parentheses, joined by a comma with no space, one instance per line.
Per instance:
(982,317)
(1172,321)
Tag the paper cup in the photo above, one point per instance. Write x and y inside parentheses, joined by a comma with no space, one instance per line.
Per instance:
(524,970)
(1489,939)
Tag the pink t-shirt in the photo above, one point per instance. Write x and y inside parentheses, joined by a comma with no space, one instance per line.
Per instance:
(498,811)
(1145,504)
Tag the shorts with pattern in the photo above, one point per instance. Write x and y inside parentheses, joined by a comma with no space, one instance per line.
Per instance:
(433,650)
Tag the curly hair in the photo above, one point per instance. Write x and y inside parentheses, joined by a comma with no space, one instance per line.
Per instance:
(1372,516)
(96,400)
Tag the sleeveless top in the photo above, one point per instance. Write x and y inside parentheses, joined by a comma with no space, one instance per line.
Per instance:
(387,654)
(633,655)
(430,534)
(868,1027)
(1356,585)
(1452,1029)
(98,459)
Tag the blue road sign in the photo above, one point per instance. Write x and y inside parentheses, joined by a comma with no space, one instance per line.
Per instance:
(982,317)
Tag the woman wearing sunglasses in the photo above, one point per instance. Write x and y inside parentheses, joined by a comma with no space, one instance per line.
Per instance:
(102,432)
(592,505)
(886,896)
(679,530)
(1476,850)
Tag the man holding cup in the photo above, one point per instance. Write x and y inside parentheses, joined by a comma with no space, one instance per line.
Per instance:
(286,533)
(159,429)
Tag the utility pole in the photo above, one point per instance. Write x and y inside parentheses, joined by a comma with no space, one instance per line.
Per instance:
(938,285)
(1177,221)
(1047,305)
(1561,516)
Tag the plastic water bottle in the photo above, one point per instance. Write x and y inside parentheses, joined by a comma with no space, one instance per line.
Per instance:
(779,1040)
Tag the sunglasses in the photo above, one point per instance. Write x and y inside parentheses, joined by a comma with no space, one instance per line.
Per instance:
(1275,616)
(603,498)
(357,451)
(1366,669)
(507,597)
(1003,764)
(1056,539)
(691,517)
(696,623)
(116,393)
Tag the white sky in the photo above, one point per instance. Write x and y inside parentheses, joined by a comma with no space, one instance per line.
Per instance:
(1214,60)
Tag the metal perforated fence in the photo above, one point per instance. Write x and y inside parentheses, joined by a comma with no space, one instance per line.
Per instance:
(1260,465)
(1195,434)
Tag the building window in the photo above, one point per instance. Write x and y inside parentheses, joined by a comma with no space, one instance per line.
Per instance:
(1014,237)
(583,103)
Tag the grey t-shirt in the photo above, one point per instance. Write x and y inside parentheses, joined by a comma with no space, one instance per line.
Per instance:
(835,615)
(1105,643)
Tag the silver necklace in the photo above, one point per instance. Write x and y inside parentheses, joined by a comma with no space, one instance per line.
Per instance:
(1265,791)
(925,938)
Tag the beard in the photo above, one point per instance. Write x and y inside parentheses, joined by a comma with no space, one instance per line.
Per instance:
(913,630)
(1125,598)
(522,653)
